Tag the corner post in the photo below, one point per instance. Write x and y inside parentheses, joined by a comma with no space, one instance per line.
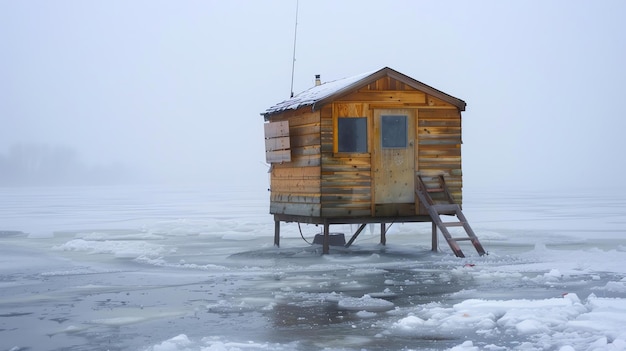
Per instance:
(276,232)
(434,242)
(326,241)
(383,233)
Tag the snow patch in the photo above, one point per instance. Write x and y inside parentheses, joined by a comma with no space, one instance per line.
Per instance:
(120,249)
(365,303)
(555,321)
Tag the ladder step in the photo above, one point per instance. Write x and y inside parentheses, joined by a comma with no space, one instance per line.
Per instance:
(435,190)
(453,224)
(460,239)
(446,208)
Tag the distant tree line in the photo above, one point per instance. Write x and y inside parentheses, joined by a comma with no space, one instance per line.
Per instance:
(40,164)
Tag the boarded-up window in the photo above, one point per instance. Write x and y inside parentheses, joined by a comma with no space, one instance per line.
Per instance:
(277,143)
(352,134)
(394,131)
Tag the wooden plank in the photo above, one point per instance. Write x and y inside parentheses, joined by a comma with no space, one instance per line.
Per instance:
(339,183)
(327,132)
(439,122)
(348,161)
(306,161)
(295,209)
(386,83)
(454,141)
(434,135)
(299,116)
(348,172)
(347,198)
(440,167)
(305,151)
(425,131)
(442,159)
(328,143)
(438,113)
(295,198)
(345,190)
(433,101)
(305,129)
(453,224)
(339,164)
(446,165)
(326,112)
(375,105)
(343,212)
(278,156)
(279,143)
(327,121)
(355,181)
(453,181)
(439,152)
(343,167)
(276,129)
(347,205)
(307,118)
(349,110)
(306,140)
(378,96)
(296,173)
(327,147)
(295,185)
(452,149)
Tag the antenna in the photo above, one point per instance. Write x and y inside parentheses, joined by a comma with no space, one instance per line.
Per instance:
(295,35)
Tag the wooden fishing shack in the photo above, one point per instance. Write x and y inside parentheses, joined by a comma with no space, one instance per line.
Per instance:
(379,147)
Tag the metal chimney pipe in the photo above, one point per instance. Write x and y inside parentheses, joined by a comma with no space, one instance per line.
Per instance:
(318,81)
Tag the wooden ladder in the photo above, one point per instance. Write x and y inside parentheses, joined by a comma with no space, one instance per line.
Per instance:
(445,205)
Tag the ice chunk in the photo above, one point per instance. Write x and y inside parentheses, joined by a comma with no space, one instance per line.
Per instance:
(365,303)
(466,346)
(174,344)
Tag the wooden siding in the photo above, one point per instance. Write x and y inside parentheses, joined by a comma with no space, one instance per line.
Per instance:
(439,147)
(295,185)
(320,182)
(346,179)
(386,91)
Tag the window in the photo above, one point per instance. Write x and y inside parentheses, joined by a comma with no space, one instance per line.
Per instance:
(352,134)
(394,131)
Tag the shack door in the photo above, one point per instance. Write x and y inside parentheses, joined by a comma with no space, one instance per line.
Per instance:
(393,161)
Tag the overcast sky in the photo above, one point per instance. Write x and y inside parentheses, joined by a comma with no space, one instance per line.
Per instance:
(175,88)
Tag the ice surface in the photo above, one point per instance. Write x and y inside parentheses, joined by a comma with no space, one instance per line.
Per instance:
(194,268)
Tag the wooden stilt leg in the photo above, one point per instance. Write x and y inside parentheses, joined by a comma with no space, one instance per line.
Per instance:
(276,233)
(434,238)
(383,234)
(326,245)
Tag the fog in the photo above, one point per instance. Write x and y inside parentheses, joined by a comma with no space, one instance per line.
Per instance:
(171,91)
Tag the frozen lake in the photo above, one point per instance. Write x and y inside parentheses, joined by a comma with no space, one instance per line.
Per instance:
(194,268)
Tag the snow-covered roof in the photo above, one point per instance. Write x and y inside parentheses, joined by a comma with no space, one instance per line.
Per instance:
(323,92)
(316,93)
